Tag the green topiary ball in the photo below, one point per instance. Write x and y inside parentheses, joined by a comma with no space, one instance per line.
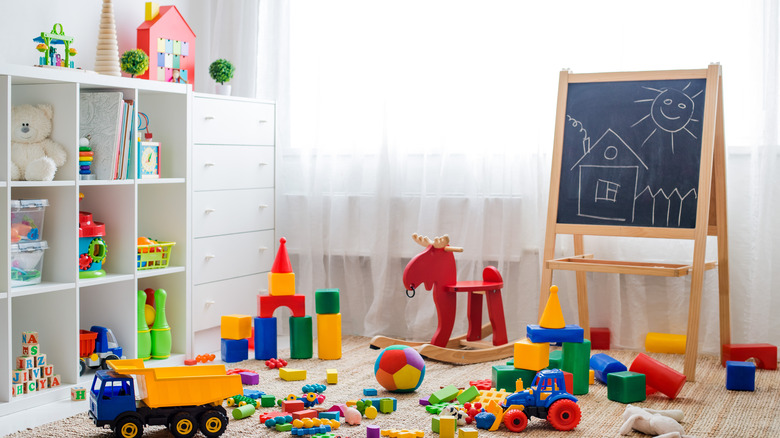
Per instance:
(221,70)
(134,62)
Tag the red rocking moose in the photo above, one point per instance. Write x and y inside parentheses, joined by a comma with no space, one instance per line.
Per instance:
(434,268)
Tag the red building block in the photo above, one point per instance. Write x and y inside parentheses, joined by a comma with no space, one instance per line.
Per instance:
(306,413)
(267,304)
(292,405)
(658,376)
(765,355)
(569,379)
(599,338)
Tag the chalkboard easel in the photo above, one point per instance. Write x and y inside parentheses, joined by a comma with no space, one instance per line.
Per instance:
(640,154)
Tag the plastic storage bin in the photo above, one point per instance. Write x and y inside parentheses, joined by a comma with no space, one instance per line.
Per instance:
(27,219)
(27,262)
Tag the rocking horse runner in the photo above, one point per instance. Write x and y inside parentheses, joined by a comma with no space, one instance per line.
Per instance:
(435,269)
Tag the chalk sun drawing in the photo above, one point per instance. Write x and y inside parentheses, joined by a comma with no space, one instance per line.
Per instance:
(671,111)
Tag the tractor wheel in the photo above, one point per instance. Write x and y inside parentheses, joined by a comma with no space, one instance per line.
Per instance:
(183,425)
(515,420)
(128,427)
(213,423)
(564,414)
(104,362)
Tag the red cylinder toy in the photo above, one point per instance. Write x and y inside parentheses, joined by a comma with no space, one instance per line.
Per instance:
(659,376)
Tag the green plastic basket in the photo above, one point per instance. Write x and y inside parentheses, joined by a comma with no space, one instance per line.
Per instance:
(154,256)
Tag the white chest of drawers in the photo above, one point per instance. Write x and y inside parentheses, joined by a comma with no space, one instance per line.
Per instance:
(233,175)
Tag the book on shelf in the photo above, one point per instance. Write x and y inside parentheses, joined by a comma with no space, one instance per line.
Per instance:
(101,117)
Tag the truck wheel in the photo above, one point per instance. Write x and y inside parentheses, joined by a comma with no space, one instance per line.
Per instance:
(515,420)
(183,425)
(82,366)
(213,423)
(104,362)
(129,427)
(564,414)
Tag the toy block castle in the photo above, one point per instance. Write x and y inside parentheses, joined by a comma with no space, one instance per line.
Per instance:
(33,372)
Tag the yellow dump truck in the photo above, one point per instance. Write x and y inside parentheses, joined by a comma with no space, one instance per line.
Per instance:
(184,399)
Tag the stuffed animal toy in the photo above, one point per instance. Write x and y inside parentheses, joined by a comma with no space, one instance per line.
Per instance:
(661,424)
(34,156)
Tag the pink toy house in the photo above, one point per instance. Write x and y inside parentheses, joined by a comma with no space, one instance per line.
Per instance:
(170,44)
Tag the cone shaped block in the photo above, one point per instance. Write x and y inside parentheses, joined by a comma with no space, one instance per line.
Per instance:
(282,261)
(552,317)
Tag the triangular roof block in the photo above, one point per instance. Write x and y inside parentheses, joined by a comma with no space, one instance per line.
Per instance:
(282,261)
(552,317)
(166,13)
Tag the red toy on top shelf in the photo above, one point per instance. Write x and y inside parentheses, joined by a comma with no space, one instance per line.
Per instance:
(435,269)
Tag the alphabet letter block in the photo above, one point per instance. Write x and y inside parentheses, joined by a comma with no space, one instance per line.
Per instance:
(30,349)
(40,360)
(78,393)
(29,337)
(55,380)
(25,363)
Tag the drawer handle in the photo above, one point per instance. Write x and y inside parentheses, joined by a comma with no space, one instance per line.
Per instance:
(262,163)
(209,118)
(263,248)
(210,302)
(263,121)
(209,256)
(263,206)
(208,164)
(209,210)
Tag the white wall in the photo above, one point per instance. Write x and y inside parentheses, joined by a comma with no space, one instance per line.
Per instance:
(23,20)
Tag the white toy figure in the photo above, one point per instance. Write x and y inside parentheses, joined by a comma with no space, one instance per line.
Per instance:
(34,156)
(662,424)
(453,411)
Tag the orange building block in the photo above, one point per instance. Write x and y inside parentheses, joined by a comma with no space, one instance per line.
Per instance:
(236,327)
(281,283)
(531,356)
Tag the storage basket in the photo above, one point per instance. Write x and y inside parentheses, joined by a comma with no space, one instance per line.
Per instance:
(154,256)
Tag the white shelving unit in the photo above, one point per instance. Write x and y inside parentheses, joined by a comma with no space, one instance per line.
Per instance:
(62,304)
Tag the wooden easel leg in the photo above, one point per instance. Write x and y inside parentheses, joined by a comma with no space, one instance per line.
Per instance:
(719,188)
(547,273)
(582,289)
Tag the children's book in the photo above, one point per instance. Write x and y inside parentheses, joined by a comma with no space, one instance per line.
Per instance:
(101,117)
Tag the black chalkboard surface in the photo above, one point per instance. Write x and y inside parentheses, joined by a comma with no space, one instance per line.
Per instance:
(631,153)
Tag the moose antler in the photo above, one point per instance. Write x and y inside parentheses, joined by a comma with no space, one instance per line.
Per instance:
(441,242)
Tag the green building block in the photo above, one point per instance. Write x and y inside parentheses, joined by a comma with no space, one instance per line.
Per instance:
(435,424)
(511,362)
(468,395)
(505,377)
(436,408)
(444,395)
(576,360)
(326,301)
(267,401)
(626,387)
(286,427)
(556,359)
(386,406)
(301,340)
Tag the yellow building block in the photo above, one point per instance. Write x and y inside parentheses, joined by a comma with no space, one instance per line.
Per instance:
(591,377)
(665,343)
(332,376)
(151,11)
(531,356)
(329,336)
(467,432)
(290,374)
(552,317)
(236,327)
(281,283)
(447,424)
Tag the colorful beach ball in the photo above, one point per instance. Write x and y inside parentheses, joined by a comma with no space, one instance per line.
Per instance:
(399,368)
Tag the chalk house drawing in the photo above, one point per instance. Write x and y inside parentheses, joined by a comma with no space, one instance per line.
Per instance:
(671,111)
(608,178)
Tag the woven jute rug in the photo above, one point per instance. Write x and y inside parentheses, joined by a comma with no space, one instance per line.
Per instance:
(710,410)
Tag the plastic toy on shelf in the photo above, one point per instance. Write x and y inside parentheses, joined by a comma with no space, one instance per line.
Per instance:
(96,346)
(153,254)
(92,246)
(435,269)
(49,56)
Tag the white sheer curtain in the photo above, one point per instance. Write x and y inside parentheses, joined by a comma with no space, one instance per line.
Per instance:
(437,117)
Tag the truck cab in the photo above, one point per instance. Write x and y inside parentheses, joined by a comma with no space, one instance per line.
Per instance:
(111,395)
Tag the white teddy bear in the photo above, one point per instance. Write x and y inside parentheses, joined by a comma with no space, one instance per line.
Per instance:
(34,156)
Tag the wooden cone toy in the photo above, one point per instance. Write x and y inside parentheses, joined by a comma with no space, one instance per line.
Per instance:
(282,262)
(552,317)
(107,56)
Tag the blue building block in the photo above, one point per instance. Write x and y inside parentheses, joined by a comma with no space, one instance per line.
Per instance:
(570,333)
(265,338)
(603,364)
(331,415)
(368,392)
(235,350)
(740,376)
(253,393)
(375,401)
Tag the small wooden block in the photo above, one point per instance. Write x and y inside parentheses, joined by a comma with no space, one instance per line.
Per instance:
(17,389)
(19,376)
(29,337)
(332,376)
(43,383)
(40,360)
(78,393)
(467,432)
(30,386)
(25,363)
(30,349)
(447,425)
(55,380)
(35,373)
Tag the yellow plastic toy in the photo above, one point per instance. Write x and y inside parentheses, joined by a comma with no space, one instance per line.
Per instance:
(552,317)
